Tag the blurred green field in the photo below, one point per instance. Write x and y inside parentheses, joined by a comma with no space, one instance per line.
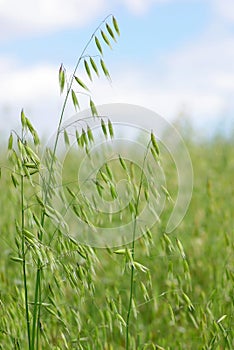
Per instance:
(183,301)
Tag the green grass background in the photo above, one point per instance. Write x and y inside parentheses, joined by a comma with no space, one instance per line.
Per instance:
(85,297)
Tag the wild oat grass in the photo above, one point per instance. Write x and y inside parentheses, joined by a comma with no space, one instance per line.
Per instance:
(183,301)
(159,292)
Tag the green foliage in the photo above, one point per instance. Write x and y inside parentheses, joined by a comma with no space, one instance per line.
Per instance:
(61,78)
(159,292)
(184,299)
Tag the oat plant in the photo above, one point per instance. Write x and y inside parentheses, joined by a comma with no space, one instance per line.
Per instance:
(54,265)
(34,248)
(153,146)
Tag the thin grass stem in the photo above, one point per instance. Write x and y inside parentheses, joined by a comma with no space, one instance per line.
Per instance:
(133,251)
(24,263)
(37,304)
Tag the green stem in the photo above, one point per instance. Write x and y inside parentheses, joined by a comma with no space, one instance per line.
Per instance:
(24,264)
(133,251)
(39,315)
(37,296)
(35,309)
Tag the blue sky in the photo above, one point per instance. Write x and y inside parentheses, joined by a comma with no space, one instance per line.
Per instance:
(173,56)
(162,29)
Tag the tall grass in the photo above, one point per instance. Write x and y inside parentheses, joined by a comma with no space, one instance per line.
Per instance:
(83,290)
(56,293)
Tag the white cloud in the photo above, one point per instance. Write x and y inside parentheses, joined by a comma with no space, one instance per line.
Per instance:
(35,89)
(27,17)
(142,6)
(198,78)
(203,62)
(164,97)
(224,8)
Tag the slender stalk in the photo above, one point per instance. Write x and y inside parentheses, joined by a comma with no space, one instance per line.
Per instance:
(131,290)
(64,107)
(24,264)
(133,252)
(37,296)
(38,316)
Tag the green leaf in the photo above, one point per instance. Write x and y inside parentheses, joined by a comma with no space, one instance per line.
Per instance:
(105,177)
(23,118)
(20,145)
(90,134)
(71,192)
(110,128)
(61,78)
(32,155)
(66,138)
(14,180)
(78,139)
(76,210)
(120,318)
(181,249)
(40,201)
(33,132)
(38,223)
(139,266)
(132,208)
(171,314)
(122,162)
(154,143)
(103,125)
(10,142)
(115,24)
(87,70)
(13,258)
(28,234)
(146,193)
(99,187)
(154,154)
(114,194)
(29,126)
(75,100)
(36,139)
(120,251)
(84,136)
(30,165)
(188,301)
(144,290)
(221,318)
(110,31)
(158,347)
(80,82)
(94,66)
(165,191)
(93,108)
(105,38)
(105,70)
(168,242)
(109,172)
(97,42)
(53,313)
